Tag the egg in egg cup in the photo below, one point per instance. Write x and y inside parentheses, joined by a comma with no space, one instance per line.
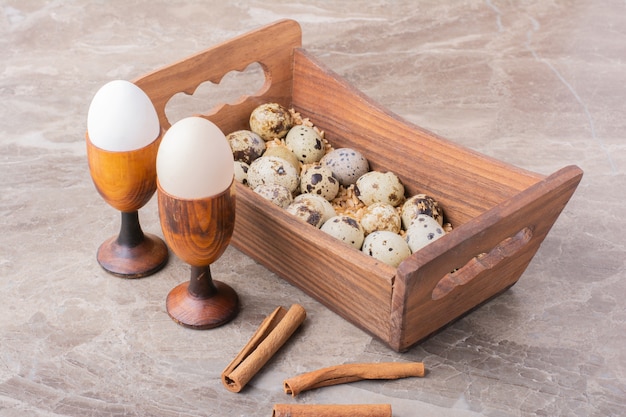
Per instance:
(127,181)
(123,137)
(196,198)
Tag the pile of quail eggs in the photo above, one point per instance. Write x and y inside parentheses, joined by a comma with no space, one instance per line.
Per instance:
(286,159)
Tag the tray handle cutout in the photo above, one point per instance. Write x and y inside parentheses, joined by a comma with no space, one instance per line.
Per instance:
(482,262)
(271,46)
(235,87)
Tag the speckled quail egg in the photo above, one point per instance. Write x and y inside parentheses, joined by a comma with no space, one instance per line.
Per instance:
(305,143)
(380,216)
(308,210)
(318,179)
(273,170)
(285,153)
(276,193)
(270,121)
(387,247)
(420,204)
(347,165)
(327,208)
(241,172)
(423,230)
(379,187)
(346,229)
(246,145)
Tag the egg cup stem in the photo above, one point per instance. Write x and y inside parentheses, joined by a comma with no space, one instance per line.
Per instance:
(132,253)
(201,282)
(202,303)
(130,234)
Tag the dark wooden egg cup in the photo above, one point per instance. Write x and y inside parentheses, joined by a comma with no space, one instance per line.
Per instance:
(127,181)
(199,231)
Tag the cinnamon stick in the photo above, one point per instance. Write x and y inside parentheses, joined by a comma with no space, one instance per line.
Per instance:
(273,332)
(332,410)
(341,374)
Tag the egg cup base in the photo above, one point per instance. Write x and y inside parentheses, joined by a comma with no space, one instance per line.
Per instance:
(138,261)
(202,313)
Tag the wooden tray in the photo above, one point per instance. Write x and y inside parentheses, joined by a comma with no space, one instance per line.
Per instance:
(500,213)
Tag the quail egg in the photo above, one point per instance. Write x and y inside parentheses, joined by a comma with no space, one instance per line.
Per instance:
(420,204)
(273,170)
(308,210)
(327,208)
(387,247)
(346,229)
(423,230)
(318,179)
(305,143)
(379,187)
(241,172)
(246,145)
(380,216)
(285,153)
(347,165)
(276,193)
(270,121)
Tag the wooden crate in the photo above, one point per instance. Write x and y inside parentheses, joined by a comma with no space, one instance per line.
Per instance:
(500,213)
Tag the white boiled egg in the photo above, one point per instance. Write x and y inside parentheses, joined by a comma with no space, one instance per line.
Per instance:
(122,118)
(194,159)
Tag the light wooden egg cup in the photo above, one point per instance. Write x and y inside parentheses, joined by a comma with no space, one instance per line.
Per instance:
(127,181)
(199,232)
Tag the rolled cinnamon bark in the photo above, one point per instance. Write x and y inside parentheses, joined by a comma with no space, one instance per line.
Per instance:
(342,374)
(273,332)
(332,410)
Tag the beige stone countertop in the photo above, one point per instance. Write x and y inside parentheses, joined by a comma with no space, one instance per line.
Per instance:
(539,85)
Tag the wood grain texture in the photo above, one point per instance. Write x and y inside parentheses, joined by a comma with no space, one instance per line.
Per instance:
(199,230)
(125,180)
(487,201)
(271,46)
(464,182)
(138,261)
(202,313)
(353,285)
(416,315)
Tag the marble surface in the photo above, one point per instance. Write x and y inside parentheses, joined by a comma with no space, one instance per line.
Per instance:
(537,84)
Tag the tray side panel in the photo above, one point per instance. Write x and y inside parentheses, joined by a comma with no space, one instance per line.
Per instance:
(465,182)
(417,314)
(351,284)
